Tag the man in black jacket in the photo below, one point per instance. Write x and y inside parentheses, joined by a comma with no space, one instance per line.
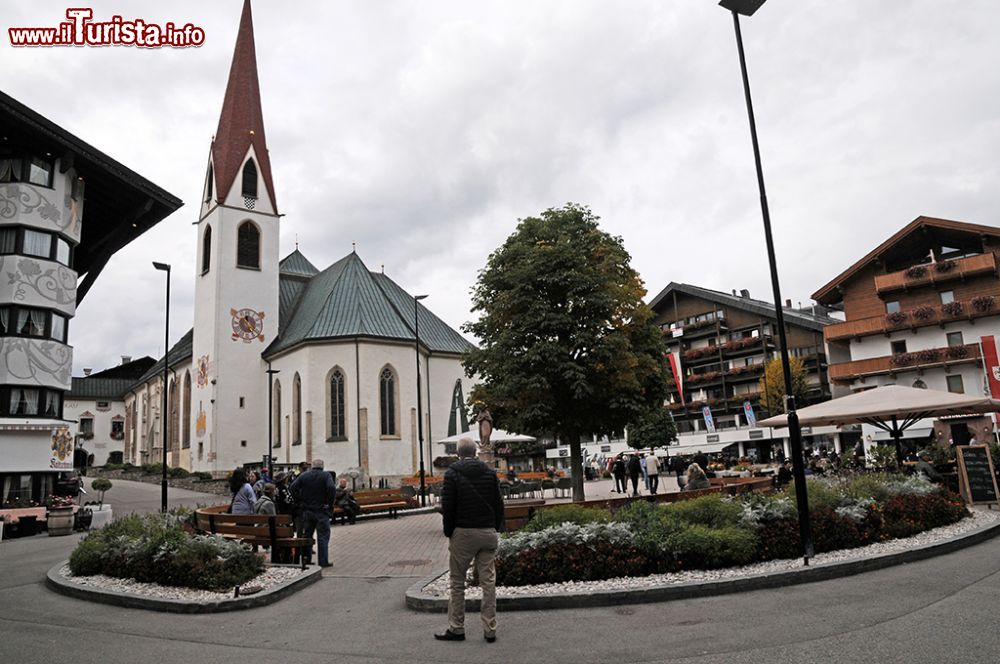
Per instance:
(314,491)
(472,512)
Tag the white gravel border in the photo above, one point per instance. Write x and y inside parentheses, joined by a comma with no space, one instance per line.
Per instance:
(438,588)
(269,578)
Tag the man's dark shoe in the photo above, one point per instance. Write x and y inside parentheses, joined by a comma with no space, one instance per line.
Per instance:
(326,564)
(448,635)
(490,638)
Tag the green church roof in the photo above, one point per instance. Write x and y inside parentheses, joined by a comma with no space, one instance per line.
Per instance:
(346,300)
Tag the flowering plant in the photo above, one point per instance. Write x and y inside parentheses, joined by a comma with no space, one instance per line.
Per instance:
(944,266)
(953,308)
(916,271)
(56,502)
(923,313)
(983,303)
(896,317)
(957,352)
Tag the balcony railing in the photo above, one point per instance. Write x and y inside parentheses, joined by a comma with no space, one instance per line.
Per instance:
(918,360)
(912,319)
(935,273)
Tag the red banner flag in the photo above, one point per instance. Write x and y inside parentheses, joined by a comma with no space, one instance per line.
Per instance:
(991,364)
(675,366)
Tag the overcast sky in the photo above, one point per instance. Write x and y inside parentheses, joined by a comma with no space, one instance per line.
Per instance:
(423,130)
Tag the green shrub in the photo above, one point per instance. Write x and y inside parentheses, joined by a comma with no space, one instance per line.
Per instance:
(907,515)
(576,514)
(779,538)
(701,547)
(152,468)
(155,548)
(571,562)
(873,486)
(202,475)
(713,510)
(87,558)
(821,492)
(113,466)
(177,471)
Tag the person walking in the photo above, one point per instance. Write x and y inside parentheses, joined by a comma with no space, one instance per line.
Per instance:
(618,472)
(243,495)
(642,467)
(472,515)
(634,469)
(653,473)
(314,491)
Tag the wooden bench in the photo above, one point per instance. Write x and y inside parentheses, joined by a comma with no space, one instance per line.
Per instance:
(277,532)
(381,500)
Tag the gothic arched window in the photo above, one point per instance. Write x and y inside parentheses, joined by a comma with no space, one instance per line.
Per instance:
(248,245)
(250,179)
(206,250)
(338,411)
(296,410)
(276,399)
(387,401)
(186,415)
(211,182)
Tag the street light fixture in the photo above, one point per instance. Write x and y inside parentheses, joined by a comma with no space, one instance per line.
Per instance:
(420,418)
(270,420)
(166,367)
(747,8)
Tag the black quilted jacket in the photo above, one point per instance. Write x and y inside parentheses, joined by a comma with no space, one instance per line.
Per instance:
(470,497)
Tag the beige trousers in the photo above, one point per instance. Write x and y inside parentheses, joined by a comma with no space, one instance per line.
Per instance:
(466,545)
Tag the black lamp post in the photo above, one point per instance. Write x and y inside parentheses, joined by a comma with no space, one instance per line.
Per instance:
(166,367)
(747,8)
(270,420)
(420,419)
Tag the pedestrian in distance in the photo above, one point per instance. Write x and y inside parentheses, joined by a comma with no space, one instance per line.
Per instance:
(642,467)
(618,472)
(472,515)
(314,491)
(653,473)
(696,478)
(634,470)
(265,504)
(243,495)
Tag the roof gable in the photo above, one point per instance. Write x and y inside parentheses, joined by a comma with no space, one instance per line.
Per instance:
(348,301)
(829,293)
(766,309)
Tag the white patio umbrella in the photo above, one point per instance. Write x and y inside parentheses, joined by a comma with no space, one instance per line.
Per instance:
(496,436)
(892,408)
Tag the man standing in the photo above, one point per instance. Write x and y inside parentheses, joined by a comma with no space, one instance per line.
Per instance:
(618,471)
(634,470)
(653,472)
(314,491)
(472,513)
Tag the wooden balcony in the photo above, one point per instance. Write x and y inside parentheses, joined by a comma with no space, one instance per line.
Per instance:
(892,364)
(937,315)
(933,274)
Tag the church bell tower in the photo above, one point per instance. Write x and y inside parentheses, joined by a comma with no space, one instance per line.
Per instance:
(236,279)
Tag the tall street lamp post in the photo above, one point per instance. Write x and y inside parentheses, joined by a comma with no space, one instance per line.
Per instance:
(270,420)
(420,418)
(166,367)
(747,8)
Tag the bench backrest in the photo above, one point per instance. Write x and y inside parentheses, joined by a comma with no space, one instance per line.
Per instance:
(211,520)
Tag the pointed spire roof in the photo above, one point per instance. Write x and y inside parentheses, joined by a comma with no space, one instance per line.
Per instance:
(241,123)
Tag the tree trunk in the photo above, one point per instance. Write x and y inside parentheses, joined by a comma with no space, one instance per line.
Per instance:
(576,466)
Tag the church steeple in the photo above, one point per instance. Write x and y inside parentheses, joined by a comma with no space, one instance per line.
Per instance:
(241,123)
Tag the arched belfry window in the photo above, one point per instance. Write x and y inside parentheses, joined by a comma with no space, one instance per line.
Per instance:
(338,410)
(248,245)
(387,401)
(211,182)
(250,179)
(206,250)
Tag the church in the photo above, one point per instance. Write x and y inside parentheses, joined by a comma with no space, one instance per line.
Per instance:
(325,362)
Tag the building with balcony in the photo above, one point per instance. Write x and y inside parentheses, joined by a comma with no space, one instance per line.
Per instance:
(719,344)
(916,310)
(65,210)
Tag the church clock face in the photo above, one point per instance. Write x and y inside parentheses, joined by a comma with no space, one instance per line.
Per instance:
(248,324)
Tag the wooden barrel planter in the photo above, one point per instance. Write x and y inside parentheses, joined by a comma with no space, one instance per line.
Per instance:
(60,521)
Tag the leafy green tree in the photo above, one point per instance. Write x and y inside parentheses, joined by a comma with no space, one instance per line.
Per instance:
(654,429)
(772,385)
(567,344)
